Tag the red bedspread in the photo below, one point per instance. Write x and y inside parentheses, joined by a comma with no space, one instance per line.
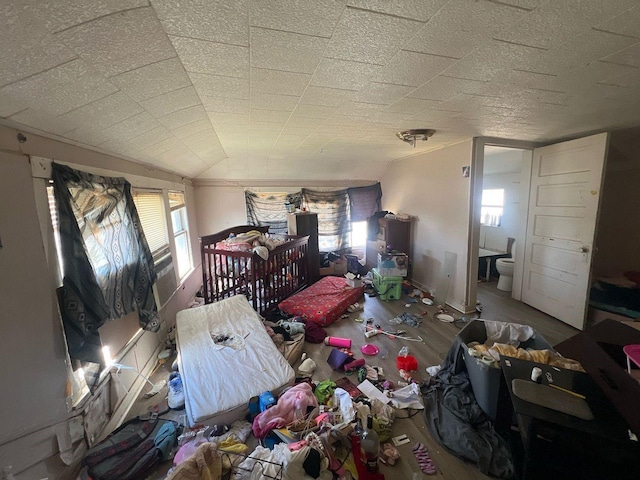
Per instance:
(324,301)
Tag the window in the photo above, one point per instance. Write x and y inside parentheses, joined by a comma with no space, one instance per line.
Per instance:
(492,207)
(180,227)
(358,234)
(150,207)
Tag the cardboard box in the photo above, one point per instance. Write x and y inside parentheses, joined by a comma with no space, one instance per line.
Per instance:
(485,380)
(352,281)
(326,270)
(393,264)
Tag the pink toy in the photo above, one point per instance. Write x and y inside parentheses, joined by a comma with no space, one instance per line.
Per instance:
(338,342)
(353,365)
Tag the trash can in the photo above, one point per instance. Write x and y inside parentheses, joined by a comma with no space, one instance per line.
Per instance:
(485,379)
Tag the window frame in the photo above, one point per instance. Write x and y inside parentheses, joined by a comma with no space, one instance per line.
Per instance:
(185,232)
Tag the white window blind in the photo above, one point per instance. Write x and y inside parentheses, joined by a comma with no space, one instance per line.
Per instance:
(150,206)
(180,232)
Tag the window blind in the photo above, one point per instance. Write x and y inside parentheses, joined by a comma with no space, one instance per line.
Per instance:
(150,207)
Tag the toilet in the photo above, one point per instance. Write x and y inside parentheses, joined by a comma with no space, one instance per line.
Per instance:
(505,269)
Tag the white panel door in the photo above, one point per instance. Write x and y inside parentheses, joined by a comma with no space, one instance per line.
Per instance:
(566,182)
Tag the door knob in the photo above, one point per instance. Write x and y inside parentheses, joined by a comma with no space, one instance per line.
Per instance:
(584,249)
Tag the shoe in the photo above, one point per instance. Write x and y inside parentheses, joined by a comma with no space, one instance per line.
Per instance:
(175,398)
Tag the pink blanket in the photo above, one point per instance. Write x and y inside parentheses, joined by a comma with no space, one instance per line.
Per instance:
(296,399)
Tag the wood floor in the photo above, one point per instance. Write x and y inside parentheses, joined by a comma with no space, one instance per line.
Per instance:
(437,337)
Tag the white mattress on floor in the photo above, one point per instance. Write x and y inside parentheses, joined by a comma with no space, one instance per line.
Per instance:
(218,381)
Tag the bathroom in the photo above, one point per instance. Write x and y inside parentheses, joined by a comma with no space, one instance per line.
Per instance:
(500,219)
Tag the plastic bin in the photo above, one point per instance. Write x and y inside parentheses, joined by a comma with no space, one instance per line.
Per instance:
(389,288)
(485,380)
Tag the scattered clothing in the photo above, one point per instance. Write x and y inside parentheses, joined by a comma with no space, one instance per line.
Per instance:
(204,464)
(452,413)
(297,399)
(510,333)
(424,459)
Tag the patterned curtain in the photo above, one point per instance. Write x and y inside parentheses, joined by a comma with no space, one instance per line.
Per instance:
(108,268)
(334,224)
(268,209)
(364,201)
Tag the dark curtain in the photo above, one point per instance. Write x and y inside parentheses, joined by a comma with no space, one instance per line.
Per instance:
(333,217)
(108,268)
(268,209)
(364,201)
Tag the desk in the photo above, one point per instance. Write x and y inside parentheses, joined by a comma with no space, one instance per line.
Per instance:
(601,445)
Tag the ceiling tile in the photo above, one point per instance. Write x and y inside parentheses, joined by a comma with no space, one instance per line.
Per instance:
(200,56)
(183,117)
(411,105)
(316,18)
(276,116)
(171,101)
(628,23)
(462,25)
(142,141)
(152,80)
(225,104)
(342,74)
(43,121)
(304,122)
(27,47)
(491,60)
(104,112)
(213,20)
(226,118)
(330,97)
(193,127)
(267,101)
(443,88)
(556,22)
(132,127)
(369,37)
(582,50)
(290,52)
(10,105)
(413,68)
(277,82)
(120,42)
(421,10)
(60,89)
(61,14)
(382,93)
(314,111)
(216,85)
(359,109)
(629,56)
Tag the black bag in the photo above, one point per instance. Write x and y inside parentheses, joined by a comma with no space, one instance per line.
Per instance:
(131,451)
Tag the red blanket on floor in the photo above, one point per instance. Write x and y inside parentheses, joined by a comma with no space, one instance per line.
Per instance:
(324,301)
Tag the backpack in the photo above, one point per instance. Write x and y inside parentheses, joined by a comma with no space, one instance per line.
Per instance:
(131,451)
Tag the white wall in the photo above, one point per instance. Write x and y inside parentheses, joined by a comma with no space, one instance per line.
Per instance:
(431,188)
(218,208)
(33,410)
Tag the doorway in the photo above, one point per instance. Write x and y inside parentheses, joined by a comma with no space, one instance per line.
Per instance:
(500,169)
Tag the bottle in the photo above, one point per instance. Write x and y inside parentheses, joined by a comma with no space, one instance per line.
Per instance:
(370,446)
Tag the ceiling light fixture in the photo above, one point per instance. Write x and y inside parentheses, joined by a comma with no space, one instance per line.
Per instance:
(411,136)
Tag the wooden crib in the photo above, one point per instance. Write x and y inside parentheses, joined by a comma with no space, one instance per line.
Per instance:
(265,283)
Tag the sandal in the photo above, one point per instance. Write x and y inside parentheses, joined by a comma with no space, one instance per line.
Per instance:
(388,454)
(424,459)
(356,307)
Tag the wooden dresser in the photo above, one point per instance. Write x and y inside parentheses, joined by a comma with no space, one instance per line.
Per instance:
(392,233)
(306,223)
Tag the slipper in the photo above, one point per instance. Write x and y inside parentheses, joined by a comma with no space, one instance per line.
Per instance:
(356,307)
(388,454)
(424,459)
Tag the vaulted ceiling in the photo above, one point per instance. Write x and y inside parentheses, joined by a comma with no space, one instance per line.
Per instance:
(313,89)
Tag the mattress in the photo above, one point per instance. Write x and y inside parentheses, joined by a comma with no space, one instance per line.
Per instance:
(226,357)
(324,301)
